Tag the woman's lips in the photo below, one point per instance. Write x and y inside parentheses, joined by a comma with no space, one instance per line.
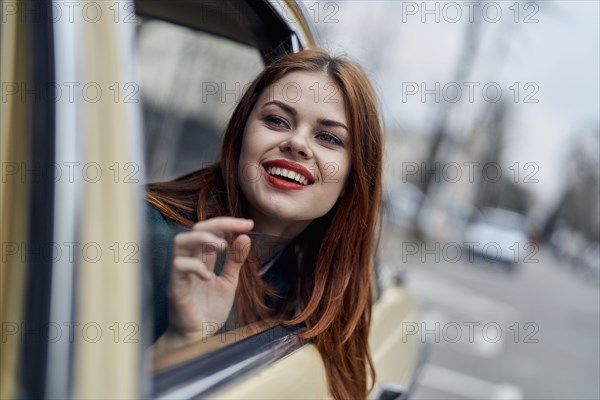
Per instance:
(281,183)
(291,166)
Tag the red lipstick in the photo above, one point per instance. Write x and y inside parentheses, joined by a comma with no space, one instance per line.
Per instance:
(284,184)
(292,166)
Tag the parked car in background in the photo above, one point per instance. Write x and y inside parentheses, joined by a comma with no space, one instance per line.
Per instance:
(139,92)
(497,236)
(444,222)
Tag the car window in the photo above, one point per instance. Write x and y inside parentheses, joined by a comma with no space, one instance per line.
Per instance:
(189,84)
(193,62)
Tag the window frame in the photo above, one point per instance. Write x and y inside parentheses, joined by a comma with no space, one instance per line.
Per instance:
(202,376)
(206,374)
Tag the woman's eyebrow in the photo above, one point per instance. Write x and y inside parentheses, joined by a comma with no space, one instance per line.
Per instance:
(285,107)
(332,123)
(291,110)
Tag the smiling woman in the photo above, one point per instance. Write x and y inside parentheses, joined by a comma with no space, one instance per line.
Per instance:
(301,159)
(287,140)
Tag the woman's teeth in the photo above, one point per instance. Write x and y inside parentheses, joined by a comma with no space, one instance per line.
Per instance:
(286,173)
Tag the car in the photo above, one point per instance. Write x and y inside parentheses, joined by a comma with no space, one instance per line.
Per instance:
(100,98)
(497,236)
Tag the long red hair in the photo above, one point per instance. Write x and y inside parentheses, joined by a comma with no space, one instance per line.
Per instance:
(334,288)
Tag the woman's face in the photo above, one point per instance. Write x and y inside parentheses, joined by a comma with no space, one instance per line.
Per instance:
(295,156)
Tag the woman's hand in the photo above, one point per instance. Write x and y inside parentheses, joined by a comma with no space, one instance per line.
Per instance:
(199,300)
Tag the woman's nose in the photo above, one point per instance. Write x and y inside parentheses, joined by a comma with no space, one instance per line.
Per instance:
(298,145)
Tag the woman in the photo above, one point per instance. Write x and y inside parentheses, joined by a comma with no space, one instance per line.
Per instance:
(301,160)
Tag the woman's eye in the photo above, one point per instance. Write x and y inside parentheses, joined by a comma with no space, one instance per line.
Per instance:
(277,121)
(329,138)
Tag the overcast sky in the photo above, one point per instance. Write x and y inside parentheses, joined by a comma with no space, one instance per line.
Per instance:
(549,55)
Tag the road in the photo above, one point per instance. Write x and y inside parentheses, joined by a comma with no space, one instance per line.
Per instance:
(533,333)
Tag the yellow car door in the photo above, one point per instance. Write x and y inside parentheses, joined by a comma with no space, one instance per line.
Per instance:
(76,146)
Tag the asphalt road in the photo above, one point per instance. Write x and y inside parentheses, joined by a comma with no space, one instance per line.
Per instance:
(533,333)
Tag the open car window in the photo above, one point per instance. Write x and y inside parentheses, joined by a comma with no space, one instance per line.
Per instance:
(190,82)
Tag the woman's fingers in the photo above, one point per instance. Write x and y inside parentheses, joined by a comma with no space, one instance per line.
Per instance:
(206,240)
(221,226)
(236,256)
(189,243)
(195,293)
(210,235)
(192,265)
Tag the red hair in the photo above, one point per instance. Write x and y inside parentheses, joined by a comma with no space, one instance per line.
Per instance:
(334,288)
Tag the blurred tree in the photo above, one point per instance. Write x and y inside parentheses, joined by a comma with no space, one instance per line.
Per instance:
(579,206)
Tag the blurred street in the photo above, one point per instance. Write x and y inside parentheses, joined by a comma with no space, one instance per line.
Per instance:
(530,333)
